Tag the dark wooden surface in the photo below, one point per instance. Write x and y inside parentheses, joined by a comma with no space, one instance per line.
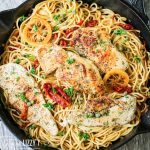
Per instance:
(140,142)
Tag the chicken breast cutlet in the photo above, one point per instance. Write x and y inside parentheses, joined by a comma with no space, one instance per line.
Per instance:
(96,45)
(21,89)
(104,111)
(81,74)
(51,58)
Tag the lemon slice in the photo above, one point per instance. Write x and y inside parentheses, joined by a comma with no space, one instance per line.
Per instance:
(37,32)
(116,78)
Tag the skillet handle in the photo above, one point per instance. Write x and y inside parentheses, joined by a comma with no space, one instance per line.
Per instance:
(138,5)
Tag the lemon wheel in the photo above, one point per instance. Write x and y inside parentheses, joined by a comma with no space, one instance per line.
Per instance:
(37,31)
(116,78)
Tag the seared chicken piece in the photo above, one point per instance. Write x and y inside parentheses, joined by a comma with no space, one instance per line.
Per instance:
(51,58)
(96,105)
(97,46)
(81,74)
(105,112)
(25,96)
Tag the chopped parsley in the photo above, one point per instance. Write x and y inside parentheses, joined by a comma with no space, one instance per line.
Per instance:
(106,123)
(74,12)
(70,11)
(125,40)
(126,95)
(30,56)
(90,115)
(83,136)
(97,114)
(56,17)
(43,76)
(64,15)
(32,126)
(22,97)
(137,59)
(54,90)
(70,60)
(69,91)
(30,103)
(55,28)
(35,28)
(33,71)
(18,61)
(97,50)
(120,32)
(26,55)
(49,106)
(36,93)
(61,133)
(22,18)
(18,78)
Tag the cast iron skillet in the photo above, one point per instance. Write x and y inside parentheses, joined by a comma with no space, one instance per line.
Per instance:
(135,14)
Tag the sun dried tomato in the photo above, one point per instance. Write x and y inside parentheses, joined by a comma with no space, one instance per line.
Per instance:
(126,26)
(91,23)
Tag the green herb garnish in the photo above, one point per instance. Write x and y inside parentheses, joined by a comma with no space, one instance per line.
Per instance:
(22,18)
(61,133)
(120,32)
(84,136)
(69,91)
(30,56)
(56,17)
(54,90)
(43,76)
(106,123)
(97,114)
(97,50)
(36,93)
(22,97)
(55,28)
(137,59)
(90,115)
(125,40)
(70,60)
(18,60)
(32,126)
(18,78)
(49,106)
(35,28)
(33,71)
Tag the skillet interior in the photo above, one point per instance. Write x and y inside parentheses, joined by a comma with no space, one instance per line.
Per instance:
(6,28)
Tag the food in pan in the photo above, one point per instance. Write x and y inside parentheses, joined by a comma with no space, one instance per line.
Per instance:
(75,76)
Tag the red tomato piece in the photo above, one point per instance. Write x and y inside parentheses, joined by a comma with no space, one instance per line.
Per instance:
(118,89)
(129,90)
(63,94)
(60,97)
(63,43)
(123,89)
(68,31)
(59,100)
(126,26)
(55,35)
(91,23)
(36,63)
(24,112)
(80,23)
